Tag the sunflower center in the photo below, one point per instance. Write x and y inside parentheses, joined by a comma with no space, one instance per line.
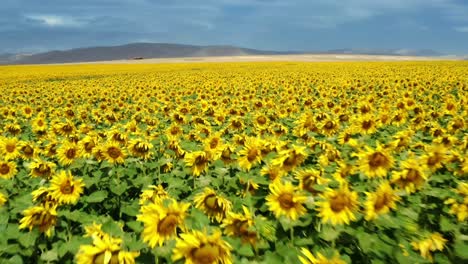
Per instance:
(200,161)
(42,169)
(236,124)
(89,146)
(286,201)
(40,123)
(71,153)
(381,201)
(329,125)
(433,160)
(28,150)
(206,254)
(66,188)
(211,202)
(214,143)
(261,120)
(226,154)
(367,124)
(4,169)
(252,154)
(412,175)
(114,152)
(338,203)
(168,225)
(141,148)
(378,159)
(67,128)
(10,147)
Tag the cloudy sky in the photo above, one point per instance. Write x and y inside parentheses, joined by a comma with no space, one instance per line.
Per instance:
(306,25)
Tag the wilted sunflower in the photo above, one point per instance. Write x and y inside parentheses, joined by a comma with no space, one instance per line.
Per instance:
(309,258)
(251,154)
(338,206)
(198,161)
(140,148)
(212,204)
(65,188)
(67,153)
(435,242)
(240,225)
(43,216)
(286,199)
(114,153)
(161,220)
(411,176)
(41,168)
(152,194)
(197,247)
(7,169)
(106,250)
(9,148)
(381,201)
(375,162)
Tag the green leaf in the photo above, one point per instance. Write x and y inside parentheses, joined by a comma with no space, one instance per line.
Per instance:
(16,259)
(28,239)
(96,197)
(119,188)
(447,225)
(49,256)
(461,249)
(330,233)
(246,250)
(112,228)
(135,226)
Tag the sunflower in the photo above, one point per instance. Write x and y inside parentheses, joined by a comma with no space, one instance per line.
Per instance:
(116,137)
(105,249)
(213,205)
(227,154)
(42,168)
(65,188)
(152,194)
(338,206)
(329,126)
(27,150)
(198,161)
(344,170)
(240,225)
(251,154)
(435,157)
(140,148)
(67,153)
(39,125)
(381,201)
(375,162)
(113,153)
(411,176)
(309,258)
(273,172)
(7,169)
(87,145)
(459,209)
(161,221)
(289,159)
(308,178)
(3,199)
(197,247)
(366,124)
(43,216)
(214,145)
(434,242)
(285,199)
(9,148)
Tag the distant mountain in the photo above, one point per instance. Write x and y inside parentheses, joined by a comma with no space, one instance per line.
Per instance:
(393,52)
(136,51)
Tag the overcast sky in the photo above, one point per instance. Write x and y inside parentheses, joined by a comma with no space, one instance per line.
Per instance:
(304,25)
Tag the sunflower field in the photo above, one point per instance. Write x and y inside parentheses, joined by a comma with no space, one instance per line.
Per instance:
(356,162)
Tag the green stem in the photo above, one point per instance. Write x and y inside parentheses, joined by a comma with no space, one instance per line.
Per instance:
(291,231)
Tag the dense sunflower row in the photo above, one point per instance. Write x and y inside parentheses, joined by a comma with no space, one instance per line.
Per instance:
(234,163)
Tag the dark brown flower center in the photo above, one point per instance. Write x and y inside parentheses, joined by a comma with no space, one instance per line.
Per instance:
(252,154)
(10,147)
(381,201)
(339,202)
(286,201)
(71,153)
(211,202)
(4,169)
(377,159)
(114,152)
(168,225)
(66,188)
